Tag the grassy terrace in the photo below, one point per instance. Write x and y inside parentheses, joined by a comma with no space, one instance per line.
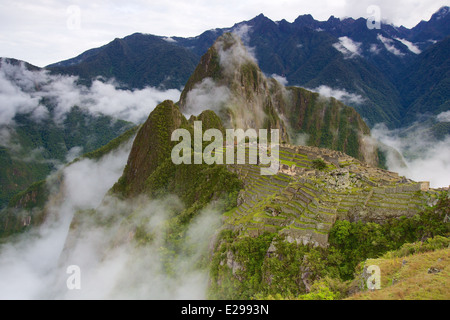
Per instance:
(400,281)
(309,204)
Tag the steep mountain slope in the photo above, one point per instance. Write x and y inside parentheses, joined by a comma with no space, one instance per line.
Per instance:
(425,85)
(32,207)
(136,61)
(151,171)
(229,81)
(416,265)
(245,100)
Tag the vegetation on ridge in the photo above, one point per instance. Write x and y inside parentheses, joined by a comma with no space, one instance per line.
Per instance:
(268,266)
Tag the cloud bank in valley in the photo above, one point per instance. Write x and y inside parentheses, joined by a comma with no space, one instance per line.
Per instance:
(30,262)
(339,94)
(389,44)
(34,265)
(24,91)
(348,47)
(426,158)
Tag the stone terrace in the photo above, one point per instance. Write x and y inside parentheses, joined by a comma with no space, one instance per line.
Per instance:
(303,203)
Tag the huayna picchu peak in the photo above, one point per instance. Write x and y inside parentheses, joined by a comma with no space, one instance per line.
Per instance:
(229,81)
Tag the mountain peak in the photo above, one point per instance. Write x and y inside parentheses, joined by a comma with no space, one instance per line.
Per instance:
(260,18)
(305,20)
(333,19)
(16,62)
(305,17)
(437,28)
(151,147)
(229,81)
(441,13)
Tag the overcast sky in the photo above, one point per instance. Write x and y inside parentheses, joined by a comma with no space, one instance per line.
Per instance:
(47,31)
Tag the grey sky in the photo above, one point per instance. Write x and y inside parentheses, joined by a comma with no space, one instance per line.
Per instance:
(46,31)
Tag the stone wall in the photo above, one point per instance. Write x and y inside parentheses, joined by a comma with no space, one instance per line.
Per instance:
(302,203)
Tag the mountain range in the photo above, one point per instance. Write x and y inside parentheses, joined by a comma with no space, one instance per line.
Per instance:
(373,70)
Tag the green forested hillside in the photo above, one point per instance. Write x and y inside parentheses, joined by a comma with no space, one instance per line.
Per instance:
(425,85)
(40,146)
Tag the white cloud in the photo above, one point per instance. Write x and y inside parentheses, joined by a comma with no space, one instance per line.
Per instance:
(426,159)
(16,95)
(169,39)
(444,117)
(243,32)
(282,80)
(74,153)
(348,47)
(374,49)
(234,57)
(411,46)
(134,106)
(21,91)
(112,265)
(30,265)
(206,95)
(389,45)
(341,95)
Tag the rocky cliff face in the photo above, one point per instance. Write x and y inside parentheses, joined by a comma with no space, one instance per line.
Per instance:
(152,147)
(229,81)
(151,171)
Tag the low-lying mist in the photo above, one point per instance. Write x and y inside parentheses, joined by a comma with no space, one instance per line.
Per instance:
(29,263)
(427,158)
(26,91)
(101,236)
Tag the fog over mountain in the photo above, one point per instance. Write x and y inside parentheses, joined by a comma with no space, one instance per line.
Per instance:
(90,194)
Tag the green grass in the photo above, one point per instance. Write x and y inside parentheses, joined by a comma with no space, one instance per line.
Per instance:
(411,280)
